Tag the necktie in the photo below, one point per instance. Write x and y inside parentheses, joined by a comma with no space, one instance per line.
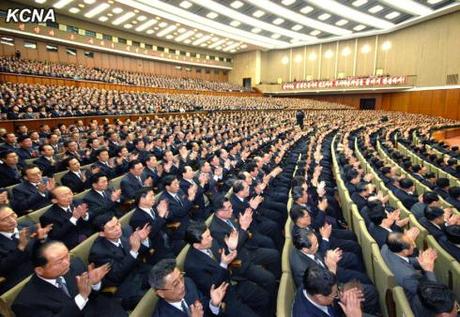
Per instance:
(211,255)
(330,311)
(140,180)
(231,224)
(318,260)
(178,200)
(185,307)
(62,285)
(152,214)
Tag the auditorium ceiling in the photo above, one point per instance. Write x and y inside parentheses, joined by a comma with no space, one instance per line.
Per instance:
(239,25)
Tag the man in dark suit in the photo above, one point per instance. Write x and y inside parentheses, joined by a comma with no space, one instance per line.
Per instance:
(128,271)
(75,179)
(434,300)
(46,161)
(452,241)
(406,193)
(9,171)
(316,296)
(199,209)
(179,296)
(209,264)
(33,193)
(382,223)
(153,170)
(103,163)
(454,197)
(430,199)
(100,199)
(180,205)
(155,217)
(134,181)
(408,270)
(25,150)
(361,195)
(16,243)
(71,224)
(64,287)
(434,221)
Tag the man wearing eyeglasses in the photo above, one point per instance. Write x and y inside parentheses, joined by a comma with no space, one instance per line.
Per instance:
(179,296)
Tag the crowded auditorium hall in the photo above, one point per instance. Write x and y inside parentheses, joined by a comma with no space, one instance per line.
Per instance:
(233,158)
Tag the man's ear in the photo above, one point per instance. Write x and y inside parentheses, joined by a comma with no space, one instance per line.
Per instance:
(39,270)
(159,293)
(54,200)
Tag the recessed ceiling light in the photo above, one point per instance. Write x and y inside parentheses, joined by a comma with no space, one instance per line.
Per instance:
(236,4)
(146,25)
(212,15)
(198,35)
(204,45)
(97,10)
(324,16)
(187,41)
(156,28)
(61,4)
(40,1)
(89,1)
(169,36)
(123,18)
(306,10)
(376,9)
(278,21)
(359,3)
(162,24)
(184,36)
(341,22)
(232,51)
(81,5)
(275,36)
(150,31)
(315,32)
(392,15)
(185,4)
(134,22)
(127,26)
(167,30)
(110,14)
(218,48)
(258,13)
(181,30)
(287,2)
(117,10)
(214,39)
(103,18)
(359,27)
(297,27)
(235,23)
(434,1)
(244,46)
(74,10)
(255,30)
(141,18)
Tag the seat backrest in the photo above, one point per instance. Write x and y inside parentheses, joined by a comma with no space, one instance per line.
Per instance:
(286,295)
(421,238)
(402,304)
(384,281)
(35,215)
(82,250)
(115,182)
(180,258)
(146,306)
(288,228)
(366,244)
(287,248)
(58,177)
(8,298)
(444,262)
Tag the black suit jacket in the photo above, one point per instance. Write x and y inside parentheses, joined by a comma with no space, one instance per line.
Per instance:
(26,198)
(299,264)
(178,213)
(97,205)
(45,166)
(408,200)
(72,181)
(64,230)
(9,176)
(304,308)
(130,185)
(432,229)
(164,309)
(108,171)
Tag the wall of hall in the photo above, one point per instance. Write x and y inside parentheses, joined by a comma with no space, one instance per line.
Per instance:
(248,67)
(428,50)
(111,61)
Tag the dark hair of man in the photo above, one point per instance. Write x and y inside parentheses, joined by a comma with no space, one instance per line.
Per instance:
(141,193)
(442,182)
(385,170)
(416,168)
(42,147)
(251,166)
(29,167)
(351,174)
(377,214)
(238,186)
(297,192)
(429,197)
(194,232)
(169,179)
(431,213)
(396,243)
(361,187)
(436,297)
(318,281)
(66,161)
(241,176)
(95,177)
(100,220)
(38,252)
(4,154)
(133,164)
(454,192)
(297,212)
(430,175)
(406,183)
(302,238)
(159,271)
(297,181)
(453,234)
(99,151)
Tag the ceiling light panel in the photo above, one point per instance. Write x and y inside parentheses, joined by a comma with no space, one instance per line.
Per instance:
(409,6)
(212,15)
(62,3)
(74,10)
(235,23)
(275,36)
(258,13)
(324,16)
(144,26)
(201,40)
(306,10)
(315,32)
(256,30)
(297,27)
(375,9)
(184,36)
(185,4)
(97,10)
(123,18)
(287,2)
(351,13)
(103,19)
(359,3)
(278,21)
(236,4)
(359,27)
(40,1)
(89,1)
(341,22)
(167,30)
(392,15)
(117,10)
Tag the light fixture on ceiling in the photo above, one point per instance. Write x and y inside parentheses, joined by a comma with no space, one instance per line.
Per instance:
(40,1)
(298,59)
(315,32)
(287,2)
(346,51)
(110,14)
(235,23)
(141,18)
(386,45)
(123,18)
(218,48)
(217,43)
(306,10)
(198,35)
(97,10)
(89,1)
(244,46)
(359,3)
(341,22)
(117,10)
(184,36)
(215,39)
(375,9)
(434,1)
(278,21)
(81,5)
(166,30)
(285,60)
(324,16)
(163,24)
(328,54)
(150,31)
(181,30)
(62,3)
(297,27)
(185,4)
(258,13)
(201,40)
(392,15)
(256,30)
(74,10)
(409,6)
(103,18)
(236,4)
(359,27)
(275,36)
(169,36)
(146,25)
(128,26)
(365,49)
(187,41)
(212,15)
